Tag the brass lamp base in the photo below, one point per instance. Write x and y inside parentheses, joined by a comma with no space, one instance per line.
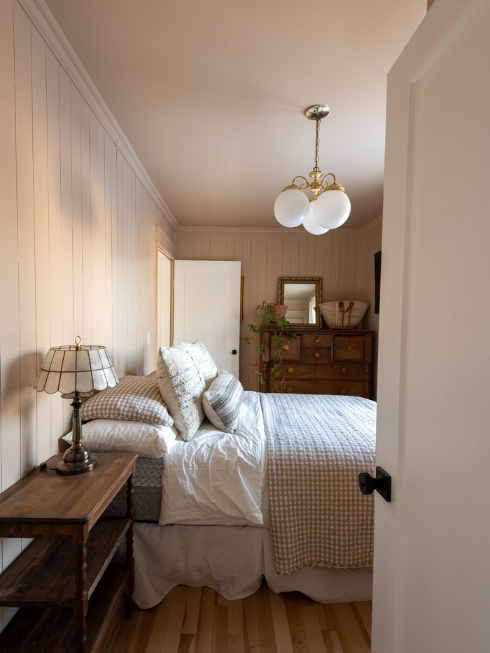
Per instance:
(77,460)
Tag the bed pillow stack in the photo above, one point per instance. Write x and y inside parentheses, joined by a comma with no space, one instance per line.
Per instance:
(130,417)
(181,386)
(222,402)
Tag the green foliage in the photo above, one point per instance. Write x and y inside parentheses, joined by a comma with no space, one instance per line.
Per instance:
(266,320)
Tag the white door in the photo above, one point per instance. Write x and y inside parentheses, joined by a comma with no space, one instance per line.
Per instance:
(207,307)
(432,543)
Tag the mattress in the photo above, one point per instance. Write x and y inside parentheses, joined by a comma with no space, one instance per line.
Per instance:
(147,492)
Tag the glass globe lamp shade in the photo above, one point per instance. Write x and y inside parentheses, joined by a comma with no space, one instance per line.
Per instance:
(291,207)
(311,225)
(332,209)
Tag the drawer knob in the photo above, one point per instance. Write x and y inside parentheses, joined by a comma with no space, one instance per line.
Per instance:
(286,347)
(290,370)
(317,339)
(349,347)
(344,370)
(342,391)
(289,389)
(317,355)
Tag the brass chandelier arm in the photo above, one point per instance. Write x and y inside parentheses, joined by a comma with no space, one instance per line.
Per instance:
(334,185)
(296,186)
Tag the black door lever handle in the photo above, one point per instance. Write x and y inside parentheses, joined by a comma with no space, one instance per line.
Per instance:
(381,483)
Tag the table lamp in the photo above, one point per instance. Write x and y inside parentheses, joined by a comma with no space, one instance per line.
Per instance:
(76,370)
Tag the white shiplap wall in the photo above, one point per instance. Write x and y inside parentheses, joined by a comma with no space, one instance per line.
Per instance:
(337,257)
(78,229)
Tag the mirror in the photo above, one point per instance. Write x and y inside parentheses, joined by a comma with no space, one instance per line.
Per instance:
(301,295)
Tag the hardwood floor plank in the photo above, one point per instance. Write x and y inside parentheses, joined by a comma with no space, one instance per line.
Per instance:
(297,628)
(236,644)
(313,630)
(280,624)
(365,611)
(187,643)
(347,628)
(171,638)
(191,616)
(204,637)
(235,617)
(332,642)
(251,624)
(266,633)
(159,625)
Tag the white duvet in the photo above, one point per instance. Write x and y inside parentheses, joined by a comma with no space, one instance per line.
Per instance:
(219,478)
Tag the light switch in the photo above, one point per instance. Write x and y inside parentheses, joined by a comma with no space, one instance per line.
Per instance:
(148,339)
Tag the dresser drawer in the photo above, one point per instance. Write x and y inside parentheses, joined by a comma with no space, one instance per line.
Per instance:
(317,340)
(295,370)
(316,355)
(288,352)
(348,348)
(322,387)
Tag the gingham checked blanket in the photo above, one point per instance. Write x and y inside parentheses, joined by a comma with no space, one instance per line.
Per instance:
(318,444)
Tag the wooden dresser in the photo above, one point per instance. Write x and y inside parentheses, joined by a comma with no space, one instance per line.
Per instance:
(323,361)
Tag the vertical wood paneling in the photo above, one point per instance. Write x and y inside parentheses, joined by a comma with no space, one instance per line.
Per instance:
(77,247)
(41,236)
(337,258)
(25,231)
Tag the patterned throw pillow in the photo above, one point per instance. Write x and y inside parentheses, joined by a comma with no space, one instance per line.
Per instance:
(203,360)
(135,398)
(222,402)
(181,386)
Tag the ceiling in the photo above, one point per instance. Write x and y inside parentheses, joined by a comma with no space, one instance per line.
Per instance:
(212,93)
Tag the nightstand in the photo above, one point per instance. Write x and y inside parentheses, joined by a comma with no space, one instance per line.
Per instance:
(71,597)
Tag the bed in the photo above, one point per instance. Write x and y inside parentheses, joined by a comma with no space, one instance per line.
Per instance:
(277,498)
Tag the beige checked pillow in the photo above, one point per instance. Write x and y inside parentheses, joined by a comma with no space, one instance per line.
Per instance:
(135,398)
(222,402)
(181,386)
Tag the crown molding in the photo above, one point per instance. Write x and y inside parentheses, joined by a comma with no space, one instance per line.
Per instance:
(279,230)
(46,24)
(372,225)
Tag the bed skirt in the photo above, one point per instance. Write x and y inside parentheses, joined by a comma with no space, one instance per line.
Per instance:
(231,560)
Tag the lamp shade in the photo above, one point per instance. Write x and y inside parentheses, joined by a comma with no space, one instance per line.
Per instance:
(332,209)
(291,207)
(76,368)
(311,225)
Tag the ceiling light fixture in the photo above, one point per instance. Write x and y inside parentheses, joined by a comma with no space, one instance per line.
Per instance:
(328,207)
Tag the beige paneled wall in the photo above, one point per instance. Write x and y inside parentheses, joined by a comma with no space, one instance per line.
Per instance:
(77,243)
(338,258)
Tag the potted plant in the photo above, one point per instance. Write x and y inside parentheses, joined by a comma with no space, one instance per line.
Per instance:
(270,317)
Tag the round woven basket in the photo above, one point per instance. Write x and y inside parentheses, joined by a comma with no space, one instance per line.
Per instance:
(343,314)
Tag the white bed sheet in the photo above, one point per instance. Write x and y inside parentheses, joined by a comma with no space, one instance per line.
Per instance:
(219,478)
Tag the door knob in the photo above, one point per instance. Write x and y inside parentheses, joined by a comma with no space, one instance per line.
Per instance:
(381,483)
(234,352)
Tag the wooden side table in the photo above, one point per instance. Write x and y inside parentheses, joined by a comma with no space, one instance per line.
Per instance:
(67,566)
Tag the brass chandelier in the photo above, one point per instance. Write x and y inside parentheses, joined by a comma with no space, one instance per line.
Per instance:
(317,204)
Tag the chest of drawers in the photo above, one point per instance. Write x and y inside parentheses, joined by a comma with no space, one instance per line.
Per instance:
(336,362)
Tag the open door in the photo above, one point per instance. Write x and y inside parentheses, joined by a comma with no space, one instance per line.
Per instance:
(432,543)
(207,307)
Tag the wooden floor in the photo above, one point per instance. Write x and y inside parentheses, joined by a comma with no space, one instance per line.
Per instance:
(198,620)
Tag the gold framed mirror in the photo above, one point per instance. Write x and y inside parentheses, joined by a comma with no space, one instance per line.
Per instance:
(301,295)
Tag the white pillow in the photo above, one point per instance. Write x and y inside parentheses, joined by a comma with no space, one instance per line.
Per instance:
(121,436)
(203,360)
(181,386)
(222,402)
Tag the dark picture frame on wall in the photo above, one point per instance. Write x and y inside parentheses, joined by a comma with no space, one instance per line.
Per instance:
(377,281)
